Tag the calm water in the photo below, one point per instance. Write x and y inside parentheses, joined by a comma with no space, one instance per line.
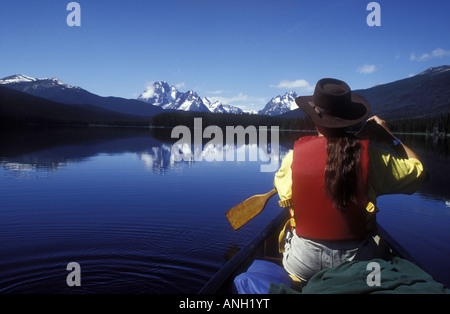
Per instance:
(116,202)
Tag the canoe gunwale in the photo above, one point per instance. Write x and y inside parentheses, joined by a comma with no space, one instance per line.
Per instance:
(245,256)
(264,244)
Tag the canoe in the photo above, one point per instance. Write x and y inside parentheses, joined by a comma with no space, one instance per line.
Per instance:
(264,246)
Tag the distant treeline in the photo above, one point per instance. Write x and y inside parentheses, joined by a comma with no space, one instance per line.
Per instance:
(18,109)
(73,116)
(222,120)
(438,124)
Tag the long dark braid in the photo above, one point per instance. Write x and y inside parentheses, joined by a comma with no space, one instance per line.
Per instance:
(342,170)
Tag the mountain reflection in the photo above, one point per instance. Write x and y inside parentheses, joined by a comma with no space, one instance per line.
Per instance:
(158,159)
(52,149)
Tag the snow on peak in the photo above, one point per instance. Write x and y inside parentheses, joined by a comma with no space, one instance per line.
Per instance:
(280,104)
(18,78)
(435,70)
(159,93)
(167,96)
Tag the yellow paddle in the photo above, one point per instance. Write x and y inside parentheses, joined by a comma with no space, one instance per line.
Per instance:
(242,213)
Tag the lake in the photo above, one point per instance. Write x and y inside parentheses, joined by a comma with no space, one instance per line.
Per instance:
(137,220)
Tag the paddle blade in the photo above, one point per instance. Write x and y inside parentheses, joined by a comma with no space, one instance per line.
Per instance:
(242,213)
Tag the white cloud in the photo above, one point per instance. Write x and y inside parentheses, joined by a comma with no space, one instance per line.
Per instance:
(215,92)
(240,100)
(367,69)
(149,90)
(230,100)
(301,85)
(180,85)
(437,53)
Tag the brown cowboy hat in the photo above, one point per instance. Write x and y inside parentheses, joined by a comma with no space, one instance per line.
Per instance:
(333,105)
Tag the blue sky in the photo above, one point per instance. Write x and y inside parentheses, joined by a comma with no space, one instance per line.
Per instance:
(241,52)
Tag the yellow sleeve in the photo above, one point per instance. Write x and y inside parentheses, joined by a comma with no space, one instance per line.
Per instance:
(283,181)
(392,175)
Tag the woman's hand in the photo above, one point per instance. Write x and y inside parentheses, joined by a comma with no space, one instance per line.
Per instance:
(378,128)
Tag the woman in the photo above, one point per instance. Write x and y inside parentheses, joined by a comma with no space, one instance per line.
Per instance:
(331,181)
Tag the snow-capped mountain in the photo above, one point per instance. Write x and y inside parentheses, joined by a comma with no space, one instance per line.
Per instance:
(280,104)
(228,109)
(168,97)
(33,85)
(19,78)
(188,101)
(55,90)
(160,94)
(218,107)
(436,70)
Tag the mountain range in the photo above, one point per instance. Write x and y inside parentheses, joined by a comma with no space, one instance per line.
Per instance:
(422,95)
(152,101)
(55,90)
(168,97)
(280,105)
(18,108)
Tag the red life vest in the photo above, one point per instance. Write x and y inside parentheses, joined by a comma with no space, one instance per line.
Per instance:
(314,213)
